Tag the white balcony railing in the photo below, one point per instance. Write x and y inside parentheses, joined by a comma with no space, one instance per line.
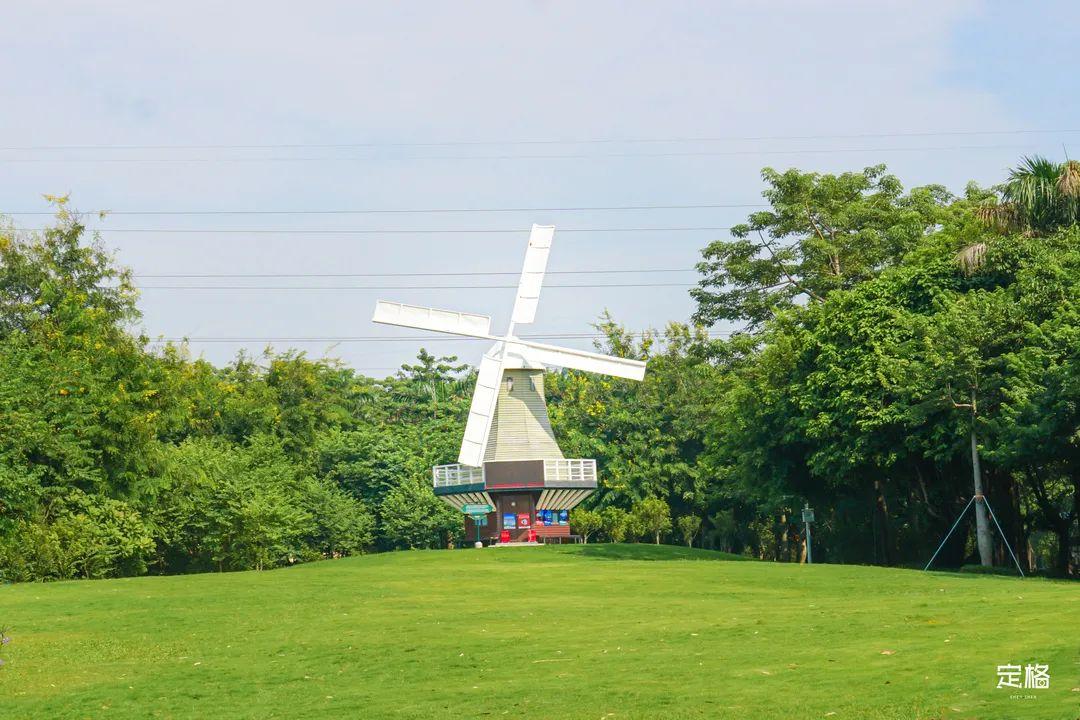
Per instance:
(577,472)
(556,472)
(457,474)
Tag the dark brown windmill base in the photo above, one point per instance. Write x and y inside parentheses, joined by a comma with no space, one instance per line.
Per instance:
(522,488)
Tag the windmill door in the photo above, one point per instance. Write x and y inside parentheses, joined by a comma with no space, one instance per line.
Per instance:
(516,512)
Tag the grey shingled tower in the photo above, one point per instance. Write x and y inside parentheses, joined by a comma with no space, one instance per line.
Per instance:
(521,429)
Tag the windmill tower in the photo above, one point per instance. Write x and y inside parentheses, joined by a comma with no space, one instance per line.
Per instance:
(510,463)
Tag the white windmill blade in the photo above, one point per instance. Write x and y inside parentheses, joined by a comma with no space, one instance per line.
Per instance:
(482,409)
(532,274)
(583,360)
(426,318)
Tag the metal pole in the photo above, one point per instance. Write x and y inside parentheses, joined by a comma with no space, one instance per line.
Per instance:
(949,534)
(1003,538)
(809,554)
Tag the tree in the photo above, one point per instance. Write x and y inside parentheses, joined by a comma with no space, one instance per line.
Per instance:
(60,272)
(822,233)
(689,525)
(646,436)
(872,378)
(433,385)
(1039,197)
(614,523)
(653,516)
(963,347)
(411,517)
(586,522)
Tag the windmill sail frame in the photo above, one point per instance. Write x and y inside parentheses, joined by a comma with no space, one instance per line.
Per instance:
(544,481)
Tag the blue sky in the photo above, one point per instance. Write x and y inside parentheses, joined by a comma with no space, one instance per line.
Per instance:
(130,73)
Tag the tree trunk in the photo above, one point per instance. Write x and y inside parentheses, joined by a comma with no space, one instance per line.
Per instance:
(782,539)
(982,519)
(1015,527)
(888,555)
(1064,549)
(1070,567)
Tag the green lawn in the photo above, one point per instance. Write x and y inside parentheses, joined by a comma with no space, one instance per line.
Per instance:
(597,632)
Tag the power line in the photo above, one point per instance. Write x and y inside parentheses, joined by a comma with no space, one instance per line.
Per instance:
(399,287)
(412,211)
(581,141)
(404,274)
(547,156)
(386,231)
(406,338)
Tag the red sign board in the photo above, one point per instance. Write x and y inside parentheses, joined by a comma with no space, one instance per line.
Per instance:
(523,520)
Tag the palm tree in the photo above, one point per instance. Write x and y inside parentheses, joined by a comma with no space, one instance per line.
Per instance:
(1039,197)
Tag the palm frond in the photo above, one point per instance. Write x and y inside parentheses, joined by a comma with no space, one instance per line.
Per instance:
(1001,217)
(971,258)
(1068,183)
(1032,183)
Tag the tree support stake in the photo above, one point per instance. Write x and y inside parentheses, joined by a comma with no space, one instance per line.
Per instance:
(996,523)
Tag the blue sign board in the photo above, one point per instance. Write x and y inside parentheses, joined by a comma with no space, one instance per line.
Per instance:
(509,521)
(564,517)
(547,518)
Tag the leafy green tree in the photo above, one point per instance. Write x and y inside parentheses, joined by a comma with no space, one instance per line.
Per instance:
(689,526)
(634,527)
(81,536)
(822,233)
(963,350)
(79,398)
(58,273)
(646,436)
(586,522)
(229,507)
(614,523)
(411,517)
(653,517)
(432,386)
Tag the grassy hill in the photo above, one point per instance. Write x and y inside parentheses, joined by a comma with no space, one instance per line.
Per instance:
(596,631)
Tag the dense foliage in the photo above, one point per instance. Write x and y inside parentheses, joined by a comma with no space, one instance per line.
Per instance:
(893,341)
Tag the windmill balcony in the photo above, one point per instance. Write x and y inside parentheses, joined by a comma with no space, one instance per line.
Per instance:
(552,473)
(453,476)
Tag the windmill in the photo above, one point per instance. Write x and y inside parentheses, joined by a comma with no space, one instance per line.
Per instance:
(511,477)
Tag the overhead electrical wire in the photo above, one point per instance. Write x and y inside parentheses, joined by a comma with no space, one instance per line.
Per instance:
(400,287)
(407,338)
(545,156)
(388,231)
(410,211)
(407,274)
(546,141)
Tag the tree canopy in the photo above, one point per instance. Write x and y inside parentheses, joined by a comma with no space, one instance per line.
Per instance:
(897,352)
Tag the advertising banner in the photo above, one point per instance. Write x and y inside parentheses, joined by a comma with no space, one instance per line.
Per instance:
(523,521)
(509,521)
(548,520)
(564,517)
